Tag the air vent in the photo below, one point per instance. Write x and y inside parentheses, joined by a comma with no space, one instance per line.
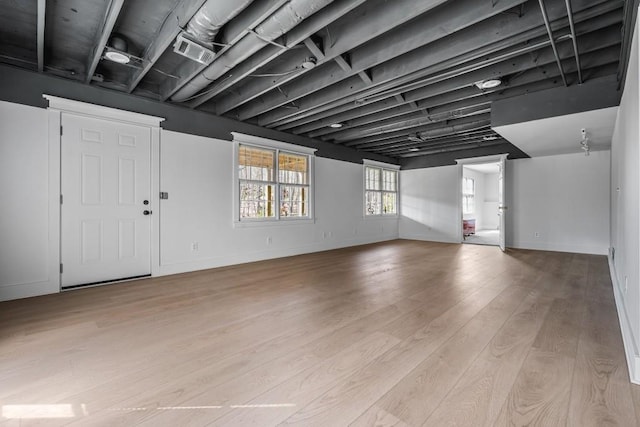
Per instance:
(193,50)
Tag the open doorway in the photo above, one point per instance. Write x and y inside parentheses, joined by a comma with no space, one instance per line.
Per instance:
(481,203)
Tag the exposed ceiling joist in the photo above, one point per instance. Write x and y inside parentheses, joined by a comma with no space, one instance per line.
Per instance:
(473,43)
(434,26)
(343,36)
(172,26)
(42,10)
(270,53)
(113,11)
(232,37)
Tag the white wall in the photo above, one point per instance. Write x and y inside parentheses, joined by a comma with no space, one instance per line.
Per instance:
(625,213)
(490,203)
(564,198)
(25,267)
(429,200)
(197,173)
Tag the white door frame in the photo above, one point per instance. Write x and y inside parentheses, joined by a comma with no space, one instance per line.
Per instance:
(57,106)
(471,161)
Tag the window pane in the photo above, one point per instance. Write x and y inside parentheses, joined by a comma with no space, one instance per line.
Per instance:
(373,203)
(468,204)
(389,180)
(294,201)
(372,178)
(293,168)
(389,203)
(467,186)
(256,200)
(256,164)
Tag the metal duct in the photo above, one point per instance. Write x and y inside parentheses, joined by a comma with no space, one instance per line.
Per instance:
(206,23)
(278,24)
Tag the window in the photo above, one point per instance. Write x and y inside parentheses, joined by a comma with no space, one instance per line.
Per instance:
(273,182)
(468,193)
(381,191)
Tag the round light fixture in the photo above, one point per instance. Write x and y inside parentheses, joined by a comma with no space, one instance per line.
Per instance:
(490,137)
(309,63)
(335,125)
(413,149)
(118,57)
(489,84)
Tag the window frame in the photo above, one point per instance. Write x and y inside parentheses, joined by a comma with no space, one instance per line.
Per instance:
(382,167)
(277,147)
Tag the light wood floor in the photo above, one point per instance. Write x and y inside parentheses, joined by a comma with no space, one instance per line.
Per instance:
(392,334)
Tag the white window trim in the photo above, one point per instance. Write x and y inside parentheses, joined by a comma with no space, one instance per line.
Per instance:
(381,165)
(270,144)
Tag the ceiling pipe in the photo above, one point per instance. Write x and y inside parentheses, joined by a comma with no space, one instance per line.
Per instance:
(545,17)
(278,24)
(206,23)
(574,39)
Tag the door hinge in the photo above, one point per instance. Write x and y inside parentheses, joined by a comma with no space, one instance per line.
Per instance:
(61,199)
(61,269)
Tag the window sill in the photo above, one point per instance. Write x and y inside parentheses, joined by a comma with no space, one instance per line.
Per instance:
(272,222)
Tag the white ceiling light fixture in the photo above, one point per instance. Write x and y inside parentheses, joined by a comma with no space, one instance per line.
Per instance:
(309,63)
(414,149)
(336,125)
(490,137)
(488,84)
(117,50)
(584,143)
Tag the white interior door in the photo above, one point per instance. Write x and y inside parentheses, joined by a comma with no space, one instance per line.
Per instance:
(502,207)
(105,211)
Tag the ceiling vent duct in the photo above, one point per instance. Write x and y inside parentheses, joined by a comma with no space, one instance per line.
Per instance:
(278,24)
(193,50)
(196,43)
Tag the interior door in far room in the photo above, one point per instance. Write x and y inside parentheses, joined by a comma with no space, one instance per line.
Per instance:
(105,212)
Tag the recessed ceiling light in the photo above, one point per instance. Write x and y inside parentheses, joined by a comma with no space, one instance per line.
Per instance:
(335,125)
(413,149)
(488,84)
(490,137)
(118,57)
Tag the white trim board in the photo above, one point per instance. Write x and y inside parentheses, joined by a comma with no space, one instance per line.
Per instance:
(92,110)
(630,346)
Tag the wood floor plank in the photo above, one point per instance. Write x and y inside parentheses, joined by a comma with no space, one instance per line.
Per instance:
(385,334)
(477,398)
(415,397)
(347,401)
(601,388)
(303,388)
(540,395)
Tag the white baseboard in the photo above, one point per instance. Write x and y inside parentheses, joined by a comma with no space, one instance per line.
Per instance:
(630,345)
(26,290)
(557,247)
(186,266)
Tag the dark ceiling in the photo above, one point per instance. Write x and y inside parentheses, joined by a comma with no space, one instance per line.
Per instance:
(403,78)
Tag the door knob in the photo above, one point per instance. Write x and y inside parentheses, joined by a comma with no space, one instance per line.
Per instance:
(146,212)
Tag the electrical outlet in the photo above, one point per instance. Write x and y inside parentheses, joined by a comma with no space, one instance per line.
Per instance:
(269,240)
(536,234)
(194,247)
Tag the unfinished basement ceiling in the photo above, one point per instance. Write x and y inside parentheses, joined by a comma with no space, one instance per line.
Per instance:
(397,78)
